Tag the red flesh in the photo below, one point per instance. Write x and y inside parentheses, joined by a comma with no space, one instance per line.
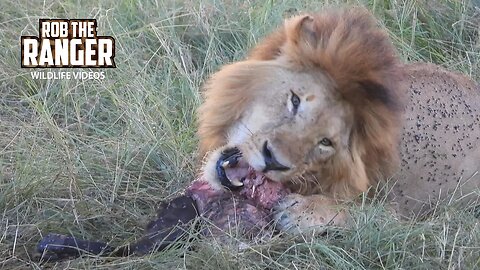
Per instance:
(257,190)
(247,210)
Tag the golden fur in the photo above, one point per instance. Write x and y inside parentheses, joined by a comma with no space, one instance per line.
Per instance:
(352,88)
(359,63)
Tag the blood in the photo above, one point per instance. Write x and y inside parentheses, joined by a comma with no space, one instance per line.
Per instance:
(249,210)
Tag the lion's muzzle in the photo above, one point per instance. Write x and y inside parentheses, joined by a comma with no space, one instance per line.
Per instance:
(271,163)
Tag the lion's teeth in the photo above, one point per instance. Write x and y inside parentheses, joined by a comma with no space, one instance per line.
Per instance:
(236,183)
(225,164)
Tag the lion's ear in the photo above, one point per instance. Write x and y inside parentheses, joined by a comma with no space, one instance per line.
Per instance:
(301,31)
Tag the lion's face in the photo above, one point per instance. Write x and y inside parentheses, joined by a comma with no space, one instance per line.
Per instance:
(292,125)
(315,103)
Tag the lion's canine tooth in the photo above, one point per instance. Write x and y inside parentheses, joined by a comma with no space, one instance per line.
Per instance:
(236,183)
(225,164)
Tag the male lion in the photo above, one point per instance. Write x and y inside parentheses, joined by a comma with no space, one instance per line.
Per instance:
(325,106)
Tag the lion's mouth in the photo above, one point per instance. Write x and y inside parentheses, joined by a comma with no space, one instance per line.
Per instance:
(232,168)
(255,187)
(234,173)
(239,172)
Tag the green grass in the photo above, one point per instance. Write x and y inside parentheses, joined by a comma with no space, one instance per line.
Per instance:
(93,158)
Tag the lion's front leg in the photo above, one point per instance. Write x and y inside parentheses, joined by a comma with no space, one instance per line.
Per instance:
(298,213)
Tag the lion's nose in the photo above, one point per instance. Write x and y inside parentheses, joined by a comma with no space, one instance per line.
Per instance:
(271,163)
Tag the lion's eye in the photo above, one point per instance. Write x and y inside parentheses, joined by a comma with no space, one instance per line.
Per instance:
(295,101)
(326,142)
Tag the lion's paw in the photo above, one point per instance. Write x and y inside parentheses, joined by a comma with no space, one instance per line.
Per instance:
(297,213)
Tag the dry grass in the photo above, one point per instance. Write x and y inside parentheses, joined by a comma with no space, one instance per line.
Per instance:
(92,158)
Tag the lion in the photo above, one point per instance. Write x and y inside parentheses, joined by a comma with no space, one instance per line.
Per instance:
(325,106)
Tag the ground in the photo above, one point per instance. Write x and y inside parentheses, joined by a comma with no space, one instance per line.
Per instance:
(92,158)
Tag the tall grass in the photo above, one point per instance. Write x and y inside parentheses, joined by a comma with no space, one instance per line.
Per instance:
(92,158)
